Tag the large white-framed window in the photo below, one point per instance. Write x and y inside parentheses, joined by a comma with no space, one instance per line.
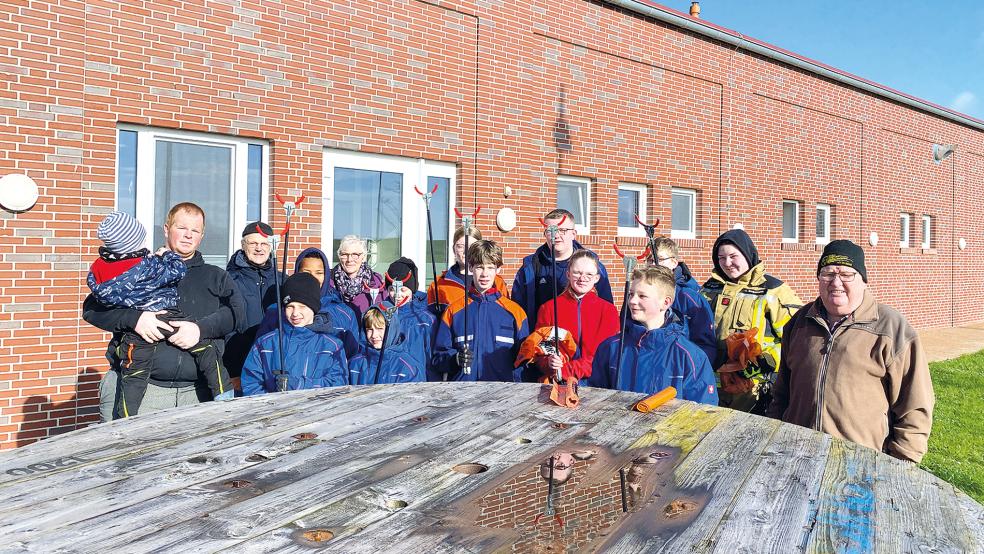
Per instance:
(631,203)
(574,195)
(927,231)
(905,223)
(227,176)
(683,213)
(373,196)
(823,223)
(790,221)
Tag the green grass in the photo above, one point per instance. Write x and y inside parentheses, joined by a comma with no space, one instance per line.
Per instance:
(956,445)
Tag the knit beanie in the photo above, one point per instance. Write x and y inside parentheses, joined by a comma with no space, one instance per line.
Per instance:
(740,240)
(403,269)
(846,253)
(303,288)
(121,233)
(263,228)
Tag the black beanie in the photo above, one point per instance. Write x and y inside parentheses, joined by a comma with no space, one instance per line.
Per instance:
(740,240)
(846,253)
(303,288)
(404,270)
(263,228)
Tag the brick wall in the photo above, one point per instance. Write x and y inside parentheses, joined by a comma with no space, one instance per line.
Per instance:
(514,93)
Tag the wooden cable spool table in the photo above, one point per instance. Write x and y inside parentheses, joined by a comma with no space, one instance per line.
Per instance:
(453,467)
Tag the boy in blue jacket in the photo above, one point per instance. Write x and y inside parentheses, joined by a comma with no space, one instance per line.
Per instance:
(496,326)
(384,339)
(688,303)
(311,359)
(417,322)
(657,353)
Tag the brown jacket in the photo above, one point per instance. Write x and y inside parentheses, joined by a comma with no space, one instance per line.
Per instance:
(868,383)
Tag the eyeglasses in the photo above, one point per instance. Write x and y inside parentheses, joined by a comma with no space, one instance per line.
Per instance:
(658,259)
(251,244)
(560,231)
(845,276)
(351,255)
(577,275)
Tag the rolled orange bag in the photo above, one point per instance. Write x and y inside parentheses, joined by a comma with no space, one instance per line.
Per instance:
(650,403)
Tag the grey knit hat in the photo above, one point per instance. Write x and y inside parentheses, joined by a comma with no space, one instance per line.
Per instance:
(121,233)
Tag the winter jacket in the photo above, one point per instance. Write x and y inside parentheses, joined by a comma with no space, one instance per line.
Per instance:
(533,284)
(150,285)
(695,311)
(313,360)
(363,301)
(868,382)
(418,324)
(496,328)
(207,295)
(400,364)
(259,291)
(589,319)
(653,359)
(450,286)
(323,324)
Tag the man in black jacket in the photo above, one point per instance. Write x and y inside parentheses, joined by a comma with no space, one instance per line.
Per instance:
(252,271)
(207,295)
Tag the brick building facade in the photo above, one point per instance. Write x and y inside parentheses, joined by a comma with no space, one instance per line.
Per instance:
(106,103)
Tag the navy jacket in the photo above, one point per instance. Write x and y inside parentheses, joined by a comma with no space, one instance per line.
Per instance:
(400,364)
(653,360)
(533,285)
(418,324)
(258,287)
(313,360)
(693,308)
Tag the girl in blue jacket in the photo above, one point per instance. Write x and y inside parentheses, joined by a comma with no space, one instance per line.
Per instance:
(399,365)
(657,353)
(311,359)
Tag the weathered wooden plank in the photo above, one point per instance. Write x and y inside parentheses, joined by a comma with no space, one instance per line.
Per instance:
(779,496)
(845,520)
(710,476)
(115,485)
(973,514)
(917,512)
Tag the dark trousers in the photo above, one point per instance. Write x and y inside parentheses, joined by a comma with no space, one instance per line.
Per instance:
(137,363)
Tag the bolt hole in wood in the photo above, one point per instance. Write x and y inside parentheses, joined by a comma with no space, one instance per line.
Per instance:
(201,460)
(239,484)
(396,504)
(561,426)
(318,535)
(470,468)
(421,419)
(305,436)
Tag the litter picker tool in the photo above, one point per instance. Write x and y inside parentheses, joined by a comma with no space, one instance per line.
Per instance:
(281,372)
(651,235)
(552,231)
(466,223)
(388,314)
(426,196)
(629,262)
(289,207)
(549,511)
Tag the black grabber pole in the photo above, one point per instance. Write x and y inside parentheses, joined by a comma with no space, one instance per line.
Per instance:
(289,207)
(629,262)
(430,245)
(466,222)
(552,231)
(651,235)
(280,373)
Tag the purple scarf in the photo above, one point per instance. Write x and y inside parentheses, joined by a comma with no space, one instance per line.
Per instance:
(350,287)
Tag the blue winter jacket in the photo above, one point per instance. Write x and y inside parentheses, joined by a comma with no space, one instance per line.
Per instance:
(258,288)
(496,328)
(150,285)
(418,324)
(313,360)
(533,284)
(696,312)
(400,364)
(653,360)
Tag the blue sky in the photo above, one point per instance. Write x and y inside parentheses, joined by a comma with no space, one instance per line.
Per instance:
(930,49)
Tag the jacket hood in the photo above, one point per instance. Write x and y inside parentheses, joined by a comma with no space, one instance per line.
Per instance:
(394,336)
(740,239)
(324,260)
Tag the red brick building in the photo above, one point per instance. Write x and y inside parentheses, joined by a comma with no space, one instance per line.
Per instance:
(600,105)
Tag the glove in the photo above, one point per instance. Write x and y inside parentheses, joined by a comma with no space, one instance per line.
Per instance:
(762,365)
(734,383)
(227,395)
(465,357)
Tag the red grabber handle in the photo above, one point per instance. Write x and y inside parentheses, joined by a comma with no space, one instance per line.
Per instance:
(559,223)
(433,190)
(641,257)
(297,203)
(459,214)
(643,223)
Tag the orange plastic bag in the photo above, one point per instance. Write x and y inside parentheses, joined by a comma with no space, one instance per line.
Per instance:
(540,343)
(564,395)
(743,347)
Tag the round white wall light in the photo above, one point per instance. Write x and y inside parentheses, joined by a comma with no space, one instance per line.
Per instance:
(873,239)
(18,192)
(506,220)
(738,226)
(962,243)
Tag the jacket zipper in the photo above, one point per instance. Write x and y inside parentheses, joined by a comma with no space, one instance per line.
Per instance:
(823,374)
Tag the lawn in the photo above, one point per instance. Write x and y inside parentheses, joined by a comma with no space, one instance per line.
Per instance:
(956,446)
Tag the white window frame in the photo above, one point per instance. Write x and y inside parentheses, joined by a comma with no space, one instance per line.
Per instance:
(927,232)
(791,240)
(640,210)
(825,238)
(582,227)
(690,233)
(413,241)
(904,229)
(147,138)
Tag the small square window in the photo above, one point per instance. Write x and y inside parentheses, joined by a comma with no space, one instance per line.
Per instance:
(573,195)
(927,231)
(683,214)
(631,203)
(904,222)
(790,221)
(823,223)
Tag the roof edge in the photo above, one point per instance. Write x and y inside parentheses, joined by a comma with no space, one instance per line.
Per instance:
(680,19)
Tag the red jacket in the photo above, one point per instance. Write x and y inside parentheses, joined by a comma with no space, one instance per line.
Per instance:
(590,320)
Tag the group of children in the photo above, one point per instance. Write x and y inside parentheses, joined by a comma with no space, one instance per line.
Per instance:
(450,333)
